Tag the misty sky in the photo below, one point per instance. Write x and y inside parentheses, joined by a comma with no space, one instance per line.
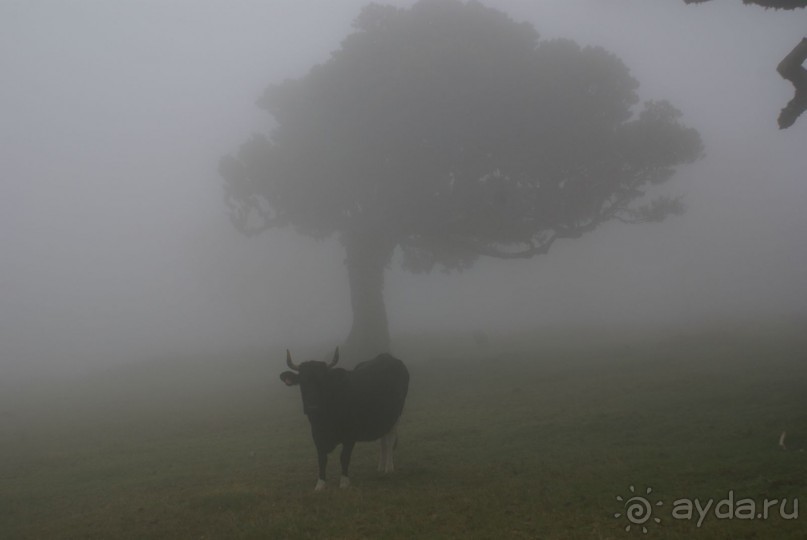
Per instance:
(115,243)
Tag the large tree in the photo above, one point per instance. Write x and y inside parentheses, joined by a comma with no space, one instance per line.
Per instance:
(449,132)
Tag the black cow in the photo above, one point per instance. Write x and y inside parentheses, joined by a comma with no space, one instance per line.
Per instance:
(344,406)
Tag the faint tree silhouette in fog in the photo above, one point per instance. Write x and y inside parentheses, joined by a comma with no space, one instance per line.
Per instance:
(791,67)
(449,132)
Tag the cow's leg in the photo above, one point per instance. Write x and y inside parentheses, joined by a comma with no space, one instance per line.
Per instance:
(322,462)
(344,459)
(387,446)
(392,440)
(382,453)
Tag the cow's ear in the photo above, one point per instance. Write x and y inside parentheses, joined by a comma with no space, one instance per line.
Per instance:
(290,378)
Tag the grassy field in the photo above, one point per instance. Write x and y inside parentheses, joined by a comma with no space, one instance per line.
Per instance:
(526,438)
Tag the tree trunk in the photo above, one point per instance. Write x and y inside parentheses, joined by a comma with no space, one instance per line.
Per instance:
(366,262)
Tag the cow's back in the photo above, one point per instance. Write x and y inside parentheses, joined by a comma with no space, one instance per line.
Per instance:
(376,393)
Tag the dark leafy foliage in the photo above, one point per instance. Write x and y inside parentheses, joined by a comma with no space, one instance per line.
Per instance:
(453,132)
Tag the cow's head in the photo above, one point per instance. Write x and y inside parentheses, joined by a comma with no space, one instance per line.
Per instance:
(314,378)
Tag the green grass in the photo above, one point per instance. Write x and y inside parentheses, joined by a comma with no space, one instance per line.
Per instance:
(530,438)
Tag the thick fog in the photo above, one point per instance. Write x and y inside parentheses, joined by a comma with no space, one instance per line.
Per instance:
(115,241)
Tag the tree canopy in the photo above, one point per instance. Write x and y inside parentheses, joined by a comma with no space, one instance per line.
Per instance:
(451,132)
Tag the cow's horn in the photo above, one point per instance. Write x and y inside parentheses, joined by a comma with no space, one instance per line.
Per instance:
(289,363)
(335,358)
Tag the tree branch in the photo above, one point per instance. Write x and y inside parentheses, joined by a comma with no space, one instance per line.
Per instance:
(776,4)
(531,251)
(250,218)
(792,70)
(791,67)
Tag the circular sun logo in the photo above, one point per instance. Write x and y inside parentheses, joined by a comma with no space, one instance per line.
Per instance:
(638,509)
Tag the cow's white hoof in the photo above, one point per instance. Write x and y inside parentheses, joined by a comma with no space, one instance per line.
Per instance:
(320,485)
(344,482)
